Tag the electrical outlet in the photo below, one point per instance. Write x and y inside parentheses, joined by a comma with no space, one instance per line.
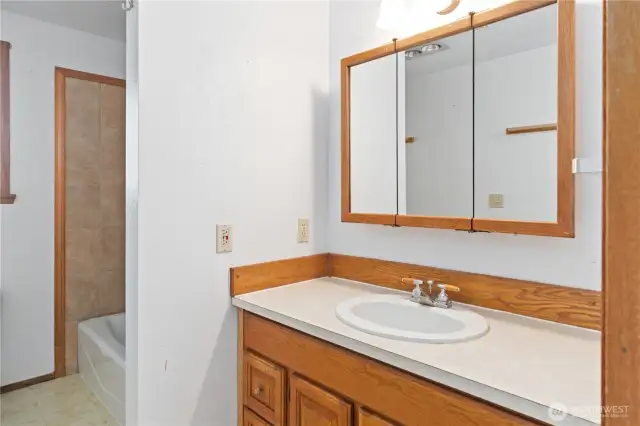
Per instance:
(303,230)
(224,239)
(496,201)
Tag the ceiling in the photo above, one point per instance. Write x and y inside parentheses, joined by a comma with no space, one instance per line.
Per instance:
(517,34)
(104,18)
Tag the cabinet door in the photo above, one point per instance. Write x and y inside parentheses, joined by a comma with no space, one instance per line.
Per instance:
(251,419)
(264,388)
(312,406)
(366,418)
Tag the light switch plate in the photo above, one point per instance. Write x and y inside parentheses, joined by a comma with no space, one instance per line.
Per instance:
(224,239)
(303,230)
(496,201)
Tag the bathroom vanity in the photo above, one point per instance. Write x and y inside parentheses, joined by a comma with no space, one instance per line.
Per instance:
(469,126)
(302,365)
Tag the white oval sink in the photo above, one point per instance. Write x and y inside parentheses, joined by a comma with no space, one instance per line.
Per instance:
(396,317)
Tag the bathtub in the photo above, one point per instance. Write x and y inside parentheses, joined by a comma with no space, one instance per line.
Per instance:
(101,360)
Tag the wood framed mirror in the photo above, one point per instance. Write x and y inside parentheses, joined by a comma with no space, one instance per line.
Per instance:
(484,120)
(435,128)
(369,167)
(524,113)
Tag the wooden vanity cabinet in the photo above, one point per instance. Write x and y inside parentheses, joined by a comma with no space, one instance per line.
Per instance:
(264,388)
(366,418)
(251,419)
(320,384)
(310,405)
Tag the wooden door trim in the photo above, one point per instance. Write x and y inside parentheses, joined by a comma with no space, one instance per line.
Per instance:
(621,204)
(6,197)
(60,75)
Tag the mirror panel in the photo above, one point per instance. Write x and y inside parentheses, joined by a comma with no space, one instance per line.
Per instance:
(467,126)
(373,129)
(435,134)
(516,114)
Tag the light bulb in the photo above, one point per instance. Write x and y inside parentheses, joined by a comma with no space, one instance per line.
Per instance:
(430,48)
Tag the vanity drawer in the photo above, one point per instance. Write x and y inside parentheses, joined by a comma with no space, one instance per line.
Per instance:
(251,419)
(264,388)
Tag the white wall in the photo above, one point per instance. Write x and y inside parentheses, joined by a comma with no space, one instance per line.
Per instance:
(511,91)
(27,225)
(233,130)
(373,134)
(572,262)
(439,114)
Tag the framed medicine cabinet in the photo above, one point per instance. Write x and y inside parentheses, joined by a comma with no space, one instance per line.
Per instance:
(469,126)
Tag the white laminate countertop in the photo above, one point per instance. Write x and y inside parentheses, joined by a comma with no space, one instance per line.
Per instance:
(524,364)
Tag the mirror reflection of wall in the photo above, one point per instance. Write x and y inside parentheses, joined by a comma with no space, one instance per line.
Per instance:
(436,127)
(516,86)
(373,136)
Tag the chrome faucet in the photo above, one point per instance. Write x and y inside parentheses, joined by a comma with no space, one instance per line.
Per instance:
(419,296)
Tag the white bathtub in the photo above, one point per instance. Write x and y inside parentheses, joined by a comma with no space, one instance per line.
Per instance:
(101,360)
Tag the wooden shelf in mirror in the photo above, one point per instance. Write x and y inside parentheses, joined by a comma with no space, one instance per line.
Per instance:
(531,129)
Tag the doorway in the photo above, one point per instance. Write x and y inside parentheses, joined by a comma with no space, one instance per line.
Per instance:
(89,206)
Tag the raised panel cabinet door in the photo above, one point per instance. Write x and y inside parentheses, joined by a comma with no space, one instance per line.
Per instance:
(264,388)
(365,418)
(312,406)
(251,419)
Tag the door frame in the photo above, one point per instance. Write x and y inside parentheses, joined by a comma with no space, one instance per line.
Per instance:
(60,301)
(621,206)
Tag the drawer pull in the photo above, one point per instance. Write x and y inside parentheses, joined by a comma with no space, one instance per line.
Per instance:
(257,391)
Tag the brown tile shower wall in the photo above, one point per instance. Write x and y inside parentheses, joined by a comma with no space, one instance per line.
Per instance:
(95,205)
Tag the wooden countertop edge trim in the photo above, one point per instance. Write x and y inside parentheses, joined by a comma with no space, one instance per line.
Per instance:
(566,305)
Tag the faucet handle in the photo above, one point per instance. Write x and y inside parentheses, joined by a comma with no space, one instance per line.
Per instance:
(443,298)
(412,281)
(448,287)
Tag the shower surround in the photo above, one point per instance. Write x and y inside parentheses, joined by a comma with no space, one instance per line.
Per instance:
(95,205)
